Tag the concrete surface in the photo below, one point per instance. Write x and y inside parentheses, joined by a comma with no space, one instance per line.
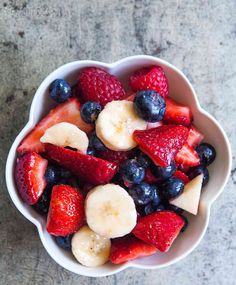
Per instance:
(37,36)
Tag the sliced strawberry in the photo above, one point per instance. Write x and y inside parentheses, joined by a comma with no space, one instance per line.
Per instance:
(129,96)
(177,114)
(128,248)
(187,156)
(181,175)
(154,125)
(162,144)
(194,137)
(149,177)
(65,112)
(159,229)
(114,156)
(88,168)
(66,212)
(29,176)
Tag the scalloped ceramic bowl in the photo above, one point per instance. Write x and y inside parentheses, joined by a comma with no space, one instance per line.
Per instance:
(179,89)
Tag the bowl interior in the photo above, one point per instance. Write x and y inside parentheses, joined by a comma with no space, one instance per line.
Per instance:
(181,90)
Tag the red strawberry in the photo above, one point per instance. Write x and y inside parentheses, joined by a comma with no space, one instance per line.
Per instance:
(152,78)
(159,229)
(130,97)
(129,248)
(65,112)
(162,144)
(181,175)
(114,156)
(154,125)
(97,85)
(29,176)
(88,168)
(66,212)
(194,137)
(187,156)
(177,114)
(149,177)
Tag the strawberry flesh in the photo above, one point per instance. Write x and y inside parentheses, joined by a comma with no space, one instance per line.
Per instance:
(162,144)
(88,168)
(29,176)
(159,229)
(114,156)
(66,212)
(181,175)
(65,112)
(194,137)
(177,114)
(187,156)
(128,248)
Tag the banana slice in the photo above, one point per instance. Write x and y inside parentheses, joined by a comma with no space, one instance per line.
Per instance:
(116,123)
(110,211)
(66,134)
(89,248)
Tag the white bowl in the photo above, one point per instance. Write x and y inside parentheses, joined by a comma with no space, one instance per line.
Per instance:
(179,89)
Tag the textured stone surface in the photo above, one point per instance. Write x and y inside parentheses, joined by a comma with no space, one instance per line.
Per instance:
(36,36)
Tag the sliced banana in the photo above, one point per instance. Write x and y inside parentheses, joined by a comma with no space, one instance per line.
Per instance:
(110,211)
(116,123)
(89,248)
(66,134)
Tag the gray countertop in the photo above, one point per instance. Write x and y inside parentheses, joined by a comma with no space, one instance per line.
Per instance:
(199,37)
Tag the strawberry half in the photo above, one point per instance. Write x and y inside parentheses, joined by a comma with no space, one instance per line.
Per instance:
(129,248)
(177,114)
(29,176)
(114,156)
(88,168)
(159,229)
(97,85)
(66,212)
(65,112)
(162,144)
(194,137)
(187,156)
(181,175)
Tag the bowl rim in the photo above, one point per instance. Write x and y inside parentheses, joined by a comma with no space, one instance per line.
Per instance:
(31,123)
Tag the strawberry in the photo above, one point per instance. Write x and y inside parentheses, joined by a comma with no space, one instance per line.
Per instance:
(66,212)
(177,114)
(194,137)
(181,175)
(159,229)
(88,168)
(97,85)
(128,248)
(65,112)
(29,176)
(114,156)
(187,156)
(162,144)
(154,125)
(151,78)
(149,177)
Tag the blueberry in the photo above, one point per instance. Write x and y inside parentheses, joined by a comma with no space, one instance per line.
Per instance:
(185,223)
(90,111)
(149,105)
(95,143)
(156,200)
(163,173)
(142,194)
(132,172)
(173,208)
(64,242)
(197,170)
(207,153)
(172,188)
(91,151)
(60,90)
(143,160)
(42,206)
(52,174)
(150,208)
(64,173)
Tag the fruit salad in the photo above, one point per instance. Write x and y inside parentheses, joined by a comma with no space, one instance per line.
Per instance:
(113,170)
